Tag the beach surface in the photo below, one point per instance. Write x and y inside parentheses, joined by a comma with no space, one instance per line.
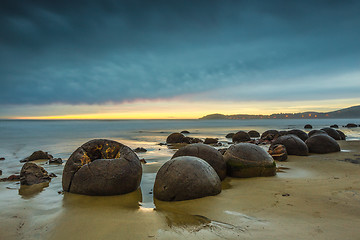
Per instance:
(311,197)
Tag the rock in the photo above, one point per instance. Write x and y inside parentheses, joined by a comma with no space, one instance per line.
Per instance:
(313,132)
(230,135)
(196,140)
(308,126)
(342,135)
(175,138)
(13,177)
(249,160)
(351,125)
(334,126)
(140,149)
(283,132)
(206,153)
(102,167)
(185,131)
(321,143)
(301,134)
(293,144)
(270,135)
(222,150)
(187,140)
(33,174)
(185,178)
(241,136)
(254,134)
(55,160)
(0,172)
(2,158)
(38,155)
(210,141)
(278,152)
(332,133)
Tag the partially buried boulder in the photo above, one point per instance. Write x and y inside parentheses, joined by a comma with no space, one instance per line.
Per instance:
(293,144)
(270,135)
(308,126)
(314,132)
(102,167)
(210,141)
(207,153)
(254,134)
(33,174)
(278,152)
(332,133)
(230,135)
(55,161)
(334,126)
(38,155)
(351,125)
(185,178)
(249,160)
(322,143)
(342,135)
(241,136)
(175,138)
(301,134)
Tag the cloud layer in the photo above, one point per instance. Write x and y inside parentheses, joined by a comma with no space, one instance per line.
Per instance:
(95,52)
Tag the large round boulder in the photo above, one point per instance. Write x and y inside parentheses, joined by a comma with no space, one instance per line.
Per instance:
(207,153)
(342,135)
(241,136)
(249,160)
(33,174)
(332,133)
(301,134)
(322,143)
(313,132)
(270,135)
(184,178)
(102,167)
(175,138)
(293,144)
(254,134)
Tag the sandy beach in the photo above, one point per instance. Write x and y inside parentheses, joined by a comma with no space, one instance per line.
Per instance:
(312,197)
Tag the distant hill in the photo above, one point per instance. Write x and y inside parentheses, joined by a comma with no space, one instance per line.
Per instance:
(351,112)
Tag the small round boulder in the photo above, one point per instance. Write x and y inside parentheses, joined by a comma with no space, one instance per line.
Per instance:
(241,136)
(102,167)
(270,135)
(351,125)
(207,153)
(278,152)
(334,126)
(301,134)
(210,141)
(175,138)
(308,126)
(185,178)
(246,160)
(332,133)
(342,135)
(230,135)
(293,144)
(322,143)
(254,134)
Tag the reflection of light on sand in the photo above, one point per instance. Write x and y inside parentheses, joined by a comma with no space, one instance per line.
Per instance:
(244,216)
(345,150)
(146,207)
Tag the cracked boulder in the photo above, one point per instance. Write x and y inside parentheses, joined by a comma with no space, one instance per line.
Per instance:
(207,153)
(102,167)
(184,178)
(246,160)
(293,144)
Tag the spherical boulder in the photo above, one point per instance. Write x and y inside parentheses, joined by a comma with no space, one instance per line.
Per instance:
(322,143)
(301,134)
(278,152)
(342,135)
(254,134)
(308,126)
(313,132)
(102,167)
(334,126)
(351,125)
(241,136)
(33,174)
(270,135)
(230,135)
(245,160)
(332,133)
(184,178)
(207,153)
(175,138)
(293,144)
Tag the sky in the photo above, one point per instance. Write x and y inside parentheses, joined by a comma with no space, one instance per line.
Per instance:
(176,59)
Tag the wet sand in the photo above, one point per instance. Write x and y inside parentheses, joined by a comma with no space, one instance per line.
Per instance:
(313,197)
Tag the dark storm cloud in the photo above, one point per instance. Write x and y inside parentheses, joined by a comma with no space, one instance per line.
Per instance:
(114,51)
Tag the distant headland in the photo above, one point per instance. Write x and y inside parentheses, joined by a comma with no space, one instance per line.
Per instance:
(351,112)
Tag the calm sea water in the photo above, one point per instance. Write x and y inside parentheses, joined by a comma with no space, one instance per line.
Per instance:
(43,205)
